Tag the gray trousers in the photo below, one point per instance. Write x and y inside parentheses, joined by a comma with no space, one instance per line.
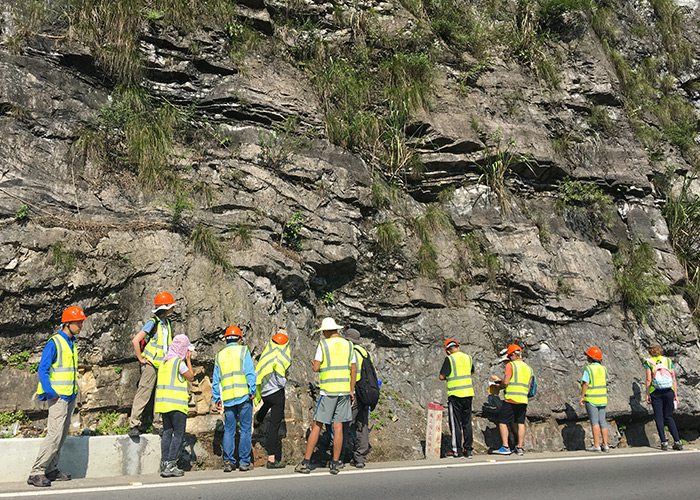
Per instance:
(147,383)
(60,412)
(360,417)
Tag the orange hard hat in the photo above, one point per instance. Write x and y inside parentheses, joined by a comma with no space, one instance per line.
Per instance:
(280,338)
(164,299)
(72,313)
(233,331)
(595,353)
(513,348)
(451,343)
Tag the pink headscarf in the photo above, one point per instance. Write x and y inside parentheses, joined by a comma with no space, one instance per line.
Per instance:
(178,348)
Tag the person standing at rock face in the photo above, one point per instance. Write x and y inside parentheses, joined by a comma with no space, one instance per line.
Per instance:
(516,382)
(172,401)
(662,393)
(150,345)
(457,370)
(58,386)
(336,362)
(594,395)
(233,390)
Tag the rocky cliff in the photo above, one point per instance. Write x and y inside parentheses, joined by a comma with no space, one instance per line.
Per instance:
(491,171)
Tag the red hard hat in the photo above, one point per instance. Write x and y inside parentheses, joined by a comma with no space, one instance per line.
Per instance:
(164,299)
(451,343)
(280,338)
(72,313)
(595,353)
(512,348)
(233,331)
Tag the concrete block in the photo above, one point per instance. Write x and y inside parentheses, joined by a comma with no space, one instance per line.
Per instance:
(86,456)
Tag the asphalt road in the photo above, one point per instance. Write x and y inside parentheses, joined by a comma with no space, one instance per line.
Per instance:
(571,476)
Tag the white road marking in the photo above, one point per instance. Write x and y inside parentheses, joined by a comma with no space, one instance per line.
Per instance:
(453,465)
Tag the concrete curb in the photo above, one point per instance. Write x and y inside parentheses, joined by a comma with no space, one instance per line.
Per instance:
(86,456)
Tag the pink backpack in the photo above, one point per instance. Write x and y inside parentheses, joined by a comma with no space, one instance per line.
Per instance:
(661,376)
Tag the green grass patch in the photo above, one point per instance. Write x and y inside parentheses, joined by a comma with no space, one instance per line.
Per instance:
(8,418)
(62,257)
(108,424)
(388,236)
(585,206)
(205,242)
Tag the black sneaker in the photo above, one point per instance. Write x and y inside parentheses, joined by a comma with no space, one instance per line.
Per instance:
(303,467)
(57,475)
(335,467)
(275,465)
(678,445)
(664,446)
(229,467)
(39,480)
(134,432)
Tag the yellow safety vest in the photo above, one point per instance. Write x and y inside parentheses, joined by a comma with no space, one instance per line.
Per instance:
(362,355)
(274,358)
(459,382)
(63,373)
(519,383)
(171,388)
(153,351)
(597,392)
(335,367)
(230,362)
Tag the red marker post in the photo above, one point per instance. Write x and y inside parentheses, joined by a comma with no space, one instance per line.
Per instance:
(433,432)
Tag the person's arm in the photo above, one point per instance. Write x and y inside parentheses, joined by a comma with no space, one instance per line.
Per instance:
(215,386)
(675,387)
(506,377)
(189,374)
(648,384)
(584,388)
(136,341)
(446,369)
(353,376)
(316,363)
(48,358)
(250,375)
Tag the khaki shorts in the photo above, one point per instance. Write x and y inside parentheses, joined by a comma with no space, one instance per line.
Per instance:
(333,409)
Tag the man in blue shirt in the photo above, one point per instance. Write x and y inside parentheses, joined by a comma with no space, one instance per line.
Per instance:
(233,390)
(58,386)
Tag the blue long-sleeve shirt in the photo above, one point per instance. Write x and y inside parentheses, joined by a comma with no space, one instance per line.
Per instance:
(48,358)
(249,375)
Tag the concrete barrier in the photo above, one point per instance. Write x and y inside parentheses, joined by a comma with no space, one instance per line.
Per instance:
(85,456)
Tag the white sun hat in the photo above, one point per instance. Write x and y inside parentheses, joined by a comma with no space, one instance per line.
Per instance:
(329,324)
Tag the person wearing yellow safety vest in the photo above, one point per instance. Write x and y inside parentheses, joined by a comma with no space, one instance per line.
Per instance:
(594,396)
(662,394)
(156,334)
(58,386)
(516,382)
(272,378)
(360,412)
(457,370)
(336,363)
(233,391)
(172,401)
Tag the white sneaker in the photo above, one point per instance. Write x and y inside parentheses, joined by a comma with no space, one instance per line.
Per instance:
(593,448)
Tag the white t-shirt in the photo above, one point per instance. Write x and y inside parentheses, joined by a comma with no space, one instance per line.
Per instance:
(319,357)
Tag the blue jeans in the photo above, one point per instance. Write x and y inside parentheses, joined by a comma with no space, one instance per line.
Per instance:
(243,413)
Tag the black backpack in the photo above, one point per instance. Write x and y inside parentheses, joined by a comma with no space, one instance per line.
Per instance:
(367,388)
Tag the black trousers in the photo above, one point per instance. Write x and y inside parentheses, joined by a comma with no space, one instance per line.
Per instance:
(274,403)
(460,416)
(174,423)
(662,403)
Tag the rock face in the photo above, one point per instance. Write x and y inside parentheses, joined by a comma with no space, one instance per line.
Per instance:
(517,268)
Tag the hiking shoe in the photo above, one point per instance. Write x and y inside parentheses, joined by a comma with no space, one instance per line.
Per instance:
(605,449)
(303,467)
(358,465)
(519,451)
(677,445)
(57,475)
(335,467)
(134,432)
(503,450)
(39,480)
(451,454)
(171,470)
(664,446)
(245,467)
(594,448)
(229,467)
(275,465)
(468,454)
